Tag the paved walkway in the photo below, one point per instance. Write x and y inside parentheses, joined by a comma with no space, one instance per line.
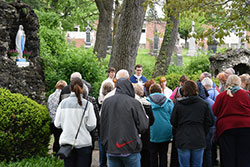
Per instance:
(95,155)
(95,158)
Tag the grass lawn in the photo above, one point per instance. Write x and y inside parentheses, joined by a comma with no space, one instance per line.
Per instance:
(145,58)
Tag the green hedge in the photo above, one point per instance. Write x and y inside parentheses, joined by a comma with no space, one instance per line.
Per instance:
(47,161)
(24,127)
(60,59)
(173,79)
(198,64)
(74,60)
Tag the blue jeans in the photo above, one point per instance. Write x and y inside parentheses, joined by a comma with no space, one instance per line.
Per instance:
(133,160)
(102,155)
(207,161)
(185,155)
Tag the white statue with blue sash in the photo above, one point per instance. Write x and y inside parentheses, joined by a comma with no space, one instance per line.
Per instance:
(20,43)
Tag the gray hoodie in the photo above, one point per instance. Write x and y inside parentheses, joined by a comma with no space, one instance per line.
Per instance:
(122,119)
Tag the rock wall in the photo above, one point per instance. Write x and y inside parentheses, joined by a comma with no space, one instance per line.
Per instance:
(238,59)
(28,81)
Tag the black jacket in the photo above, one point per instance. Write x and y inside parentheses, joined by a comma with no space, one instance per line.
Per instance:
(66,90)
(191,119)
(122,119)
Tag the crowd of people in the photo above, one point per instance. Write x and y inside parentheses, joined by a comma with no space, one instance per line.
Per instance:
(135,119)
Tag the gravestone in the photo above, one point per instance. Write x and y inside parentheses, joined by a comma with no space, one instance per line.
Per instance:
(28,81)
(191,44)
(87,40)
(156,44)
(178,48)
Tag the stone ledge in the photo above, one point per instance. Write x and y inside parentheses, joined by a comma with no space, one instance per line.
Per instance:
(22,64)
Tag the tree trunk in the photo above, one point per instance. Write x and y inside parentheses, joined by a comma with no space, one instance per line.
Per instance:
(117,12)
(105,8)
(126,41)
(167,47)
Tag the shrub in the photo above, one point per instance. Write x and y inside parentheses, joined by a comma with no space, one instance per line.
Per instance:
(35,162)
(173,79)
(24,127)
(198,64)
(74,59)
(60,60)
(172,68)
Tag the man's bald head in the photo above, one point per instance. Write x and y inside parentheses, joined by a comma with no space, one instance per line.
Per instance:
(122,74)
(75,75)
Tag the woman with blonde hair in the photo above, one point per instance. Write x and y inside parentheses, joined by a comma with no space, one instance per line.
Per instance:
(53,102)
(164,89)
(232,109)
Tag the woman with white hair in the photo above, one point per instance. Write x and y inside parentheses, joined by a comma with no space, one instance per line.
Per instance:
(232,109)
(208,84)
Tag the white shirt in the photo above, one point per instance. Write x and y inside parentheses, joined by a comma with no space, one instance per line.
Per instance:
(139,80)
(68,117)
(101,96)
(167,92)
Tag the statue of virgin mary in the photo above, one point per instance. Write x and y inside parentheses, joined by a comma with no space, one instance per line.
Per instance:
(20,42)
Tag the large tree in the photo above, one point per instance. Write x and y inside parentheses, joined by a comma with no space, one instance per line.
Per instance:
(74,12)
(105,8)
(126,40)
(167,46)
(222,17)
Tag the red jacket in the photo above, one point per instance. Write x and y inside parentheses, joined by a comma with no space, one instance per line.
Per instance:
(231,112)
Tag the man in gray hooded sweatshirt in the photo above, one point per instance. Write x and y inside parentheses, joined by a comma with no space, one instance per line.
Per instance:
(122,119)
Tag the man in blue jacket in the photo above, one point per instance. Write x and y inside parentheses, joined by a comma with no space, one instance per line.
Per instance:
(138,77)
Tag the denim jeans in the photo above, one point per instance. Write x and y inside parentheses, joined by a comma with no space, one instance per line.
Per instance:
(133,160)
(207,161)
(196,156)
(102,155)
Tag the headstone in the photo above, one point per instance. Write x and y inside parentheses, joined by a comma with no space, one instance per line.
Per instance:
(68,38)
(87,40)
(191,44)
(178,48)
(156,44)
